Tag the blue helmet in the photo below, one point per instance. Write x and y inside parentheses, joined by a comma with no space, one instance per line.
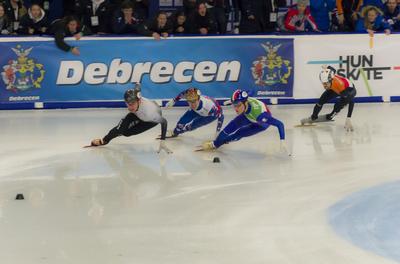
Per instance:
(239,96)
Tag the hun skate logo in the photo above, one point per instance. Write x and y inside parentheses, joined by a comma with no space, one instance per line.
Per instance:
(22,73)
(271,69)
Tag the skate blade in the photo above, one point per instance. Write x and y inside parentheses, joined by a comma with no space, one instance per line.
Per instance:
(323,120)
(305,125)
(200,148)
(159,138)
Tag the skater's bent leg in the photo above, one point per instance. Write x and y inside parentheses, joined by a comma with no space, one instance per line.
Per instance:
(346,97)
(317,109)
(139,128)
(202,121)
(336,109)
(245,131)
(185,122)
(236,129)
(230,128)
(325,97)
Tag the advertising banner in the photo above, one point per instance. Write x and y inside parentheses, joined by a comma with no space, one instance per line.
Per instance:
(372,64)
(37,71)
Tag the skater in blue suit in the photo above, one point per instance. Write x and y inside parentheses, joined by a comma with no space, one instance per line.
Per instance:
(203,110)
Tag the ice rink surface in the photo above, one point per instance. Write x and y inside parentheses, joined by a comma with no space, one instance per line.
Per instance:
(334,201)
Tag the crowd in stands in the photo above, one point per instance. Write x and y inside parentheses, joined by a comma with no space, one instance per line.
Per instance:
(196,17)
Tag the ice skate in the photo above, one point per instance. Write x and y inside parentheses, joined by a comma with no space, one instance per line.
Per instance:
(170,134)
(310,122)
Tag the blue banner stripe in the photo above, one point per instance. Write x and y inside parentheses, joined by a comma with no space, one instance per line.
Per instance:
(367,99)
(37,71)
(395,99)
(121,104)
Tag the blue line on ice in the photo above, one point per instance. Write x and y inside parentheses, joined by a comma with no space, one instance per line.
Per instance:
(370,219)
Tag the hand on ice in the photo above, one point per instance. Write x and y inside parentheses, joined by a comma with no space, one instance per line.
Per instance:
(163,147)
(208,145)
(348,126)
(284,149)
(97,142)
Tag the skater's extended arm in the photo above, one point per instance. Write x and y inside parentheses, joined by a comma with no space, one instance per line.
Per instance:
(164,125)
(113,133)
(350,110)
(265,120)
(172,102)
(180,95)
(220,122)
(162,146)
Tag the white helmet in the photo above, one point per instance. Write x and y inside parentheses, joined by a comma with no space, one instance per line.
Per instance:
(326,75)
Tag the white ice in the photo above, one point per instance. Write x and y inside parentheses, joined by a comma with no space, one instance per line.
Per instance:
(123,203)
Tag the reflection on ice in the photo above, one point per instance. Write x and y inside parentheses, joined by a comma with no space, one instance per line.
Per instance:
(124,203)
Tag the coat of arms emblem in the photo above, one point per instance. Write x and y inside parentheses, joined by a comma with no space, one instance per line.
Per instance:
(22,73)
(271,69)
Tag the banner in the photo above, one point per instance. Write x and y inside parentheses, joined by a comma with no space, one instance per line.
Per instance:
(370,63)
(38,71)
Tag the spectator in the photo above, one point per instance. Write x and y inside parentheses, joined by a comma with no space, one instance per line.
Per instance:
(44,4)
(235,11)
(202,22)
(220,10)
(5,25)
(320,10)
(15,10)
(391,13)
(124,20)
(35,22)
(372,21)
(67,27)
(378,3)
(347,14)
(189,7)
(299,19)
(364,3)
(157,28)
(53,9)
(179,23)
(74,8)
(141,8)
(97,16)
(259,15)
